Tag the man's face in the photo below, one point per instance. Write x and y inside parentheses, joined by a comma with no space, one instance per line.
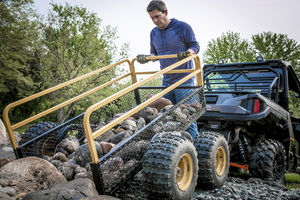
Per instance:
(159,19)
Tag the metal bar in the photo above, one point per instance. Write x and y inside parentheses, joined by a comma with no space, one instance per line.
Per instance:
(28,120)
(141,106)
(170,72)
(6,110)
(88,131)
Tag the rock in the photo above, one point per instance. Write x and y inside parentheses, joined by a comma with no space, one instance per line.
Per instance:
(56,163)
(148,114)
(160,103)
(7,152)
(119,130)
(70,144)
(171,126)
(168,107)
(121,137)
(134,148)
(4,196)
(101,197)
(106,147)
(82,175)
(82,154)
(129,125)
(8,190)
(75,189)
(62,150)
(3,134)
(112,164)
(68,170)
(107,136)
(60,156)
(71,156)
(4,161)
(20,196)
(140,123)
(81,172)
(30,174)
(157,127)
(179,116)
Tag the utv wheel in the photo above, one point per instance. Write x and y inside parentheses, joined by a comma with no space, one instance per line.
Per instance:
(170,167)
(268,161)
(42,147)
(213,159)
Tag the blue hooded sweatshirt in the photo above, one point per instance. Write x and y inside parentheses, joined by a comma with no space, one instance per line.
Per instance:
(177,37)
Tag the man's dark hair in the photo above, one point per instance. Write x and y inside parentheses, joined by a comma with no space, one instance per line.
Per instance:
(158,5)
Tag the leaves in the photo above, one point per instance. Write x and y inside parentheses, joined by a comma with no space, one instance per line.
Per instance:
(231,48)
(37,54)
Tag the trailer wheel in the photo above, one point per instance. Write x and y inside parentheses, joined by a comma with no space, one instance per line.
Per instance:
(170,167)
(213,159)
(42,147)
(268,161)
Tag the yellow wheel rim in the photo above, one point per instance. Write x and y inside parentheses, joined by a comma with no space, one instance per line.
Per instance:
(220,161)
(184,173)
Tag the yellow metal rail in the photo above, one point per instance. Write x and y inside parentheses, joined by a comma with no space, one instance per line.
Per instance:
(87,127)
(10,127)
(86,119)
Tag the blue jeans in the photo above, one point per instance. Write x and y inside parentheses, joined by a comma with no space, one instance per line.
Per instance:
(176,95)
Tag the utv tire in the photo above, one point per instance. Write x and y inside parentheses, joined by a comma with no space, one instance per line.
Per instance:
(268,161)
(170,167)
(213,159)
(43,146)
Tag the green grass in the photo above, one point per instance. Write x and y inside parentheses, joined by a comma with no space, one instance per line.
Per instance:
(292,181)
(22,129)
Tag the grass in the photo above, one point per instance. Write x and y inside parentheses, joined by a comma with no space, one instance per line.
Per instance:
(22,129)
(292,181)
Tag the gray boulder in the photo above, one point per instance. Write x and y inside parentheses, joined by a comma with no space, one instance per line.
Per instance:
(4,196)
(75,189)
(68,170)
(121,137)
(29,174)
(3,134)
(82,154)
(101,197)
(70,144)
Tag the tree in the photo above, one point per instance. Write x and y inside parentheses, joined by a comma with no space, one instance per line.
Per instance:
(18,53)
(278,46)
(230,47)
(76,44)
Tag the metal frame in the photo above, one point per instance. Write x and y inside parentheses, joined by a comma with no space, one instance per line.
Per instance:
(91,136)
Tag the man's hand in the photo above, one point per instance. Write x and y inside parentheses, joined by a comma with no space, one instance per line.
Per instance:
(182,55)
(141,58)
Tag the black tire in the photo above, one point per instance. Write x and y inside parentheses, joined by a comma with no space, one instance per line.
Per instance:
(44,146)
(213,159)
(268,161)
(170,167)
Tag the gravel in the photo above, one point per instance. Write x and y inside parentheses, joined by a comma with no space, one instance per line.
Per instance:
(234,188)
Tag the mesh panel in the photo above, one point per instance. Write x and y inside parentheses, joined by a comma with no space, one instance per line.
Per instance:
(125,160)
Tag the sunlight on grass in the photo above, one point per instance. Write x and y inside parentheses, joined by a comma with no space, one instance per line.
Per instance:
(292,181)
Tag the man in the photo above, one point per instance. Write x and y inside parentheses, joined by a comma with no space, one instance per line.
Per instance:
(171,36)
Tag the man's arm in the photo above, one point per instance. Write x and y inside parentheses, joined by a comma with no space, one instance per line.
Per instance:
(190,39)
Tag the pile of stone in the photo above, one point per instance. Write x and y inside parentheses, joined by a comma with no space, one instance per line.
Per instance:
(73,160)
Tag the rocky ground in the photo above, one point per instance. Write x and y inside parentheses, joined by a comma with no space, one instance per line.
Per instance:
(234,188)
